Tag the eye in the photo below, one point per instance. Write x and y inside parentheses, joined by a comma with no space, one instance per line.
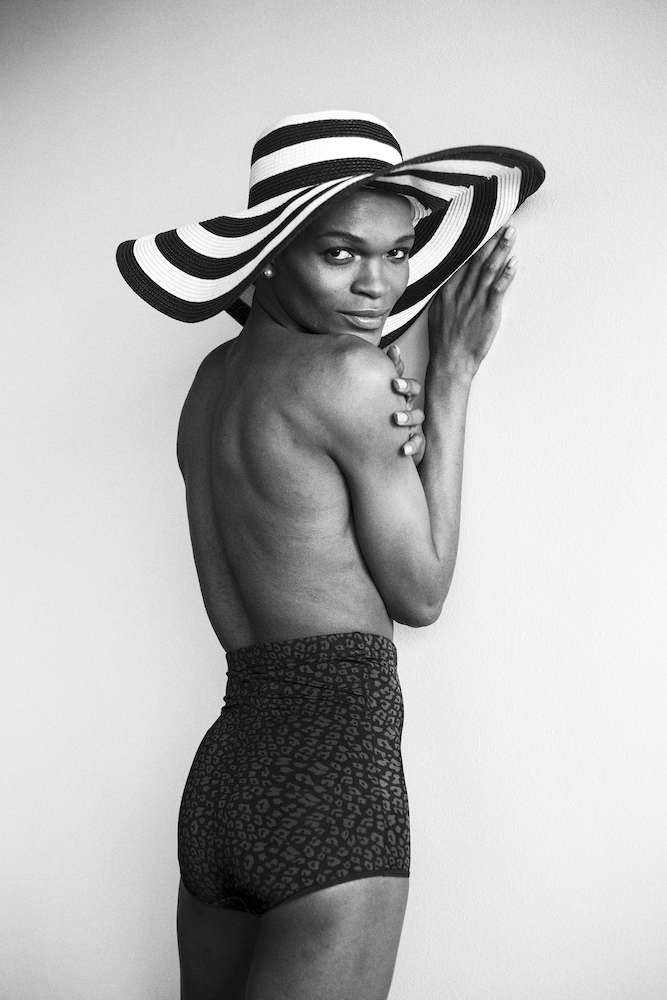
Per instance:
(338,254)
(399,254)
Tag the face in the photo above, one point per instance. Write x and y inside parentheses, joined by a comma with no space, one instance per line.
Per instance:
(346,271)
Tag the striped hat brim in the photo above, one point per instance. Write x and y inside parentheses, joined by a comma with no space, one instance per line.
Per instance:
(196,271)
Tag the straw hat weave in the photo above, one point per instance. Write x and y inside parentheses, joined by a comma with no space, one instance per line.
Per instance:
(460,198)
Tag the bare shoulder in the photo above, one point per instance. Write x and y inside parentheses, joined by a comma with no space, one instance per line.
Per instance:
(206,377)
(213,362)
(362,360)
(361,375)
(358,402)
(201,400)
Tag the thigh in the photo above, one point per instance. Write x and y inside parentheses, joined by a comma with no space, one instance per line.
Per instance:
(215,947)
(338,943)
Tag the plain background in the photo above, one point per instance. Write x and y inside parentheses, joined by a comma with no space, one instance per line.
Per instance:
(535,742)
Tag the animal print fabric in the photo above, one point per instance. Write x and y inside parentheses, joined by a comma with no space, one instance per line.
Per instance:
(299,783)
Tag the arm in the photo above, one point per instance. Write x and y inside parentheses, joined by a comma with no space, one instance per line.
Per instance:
(407,520)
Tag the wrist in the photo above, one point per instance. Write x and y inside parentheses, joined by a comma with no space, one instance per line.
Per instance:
(452,373)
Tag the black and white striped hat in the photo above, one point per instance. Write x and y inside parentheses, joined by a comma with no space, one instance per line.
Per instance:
(460,198)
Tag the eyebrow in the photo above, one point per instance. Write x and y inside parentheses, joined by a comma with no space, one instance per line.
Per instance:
(351,238)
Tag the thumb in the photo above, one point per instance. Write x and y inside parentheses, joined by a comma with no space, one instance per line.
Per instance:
(395,355)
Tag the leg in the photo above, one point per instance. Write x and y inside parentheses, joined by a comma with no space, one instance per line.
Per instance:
(338,943)
(215,947)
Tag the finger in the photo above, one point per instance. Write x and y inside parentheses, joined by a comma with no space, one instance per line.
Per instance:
(464,280)
(394,353)
(409,418)
(502,283)
(407,386)
(450,288)
(412,446)
(495,264)
(472,268)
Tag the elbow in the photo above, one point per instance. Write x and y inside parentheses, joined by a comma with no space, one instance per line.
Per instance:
(419,618)
(431,614)
(420,604)
(417,614)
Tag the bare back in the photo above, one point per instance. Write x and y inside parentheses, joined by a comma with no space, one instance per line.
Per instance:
(269,508)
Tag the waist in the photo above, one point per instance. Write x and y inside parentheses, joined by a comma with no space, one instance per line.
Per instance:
(339,661)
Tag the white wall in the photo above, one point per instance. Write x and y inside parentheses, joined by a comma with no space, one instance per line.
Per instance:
(535,740)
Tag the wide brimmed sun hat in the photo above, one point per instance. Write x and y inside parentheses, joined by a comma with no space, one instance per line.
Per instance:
(460,198)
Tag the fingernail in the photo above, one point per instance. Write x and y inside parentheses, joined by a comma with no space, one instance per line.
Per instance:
(400,384)
(510,232)
(401,418)
(512,263)
(408,449)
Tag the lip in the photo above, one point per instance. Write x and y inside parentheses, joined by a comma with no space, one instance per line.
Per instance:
(366,319)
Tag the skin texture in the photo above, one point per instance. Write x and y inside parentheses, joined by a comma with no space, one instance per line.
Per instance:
(353,260)
(336,944)
(306,518)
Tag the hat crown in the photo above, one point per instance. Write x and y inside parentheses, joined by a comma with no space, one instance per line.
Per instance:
(301,151)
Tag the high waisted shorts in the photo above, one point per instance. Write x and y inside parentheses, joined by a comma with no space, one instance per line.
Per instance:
(299,783)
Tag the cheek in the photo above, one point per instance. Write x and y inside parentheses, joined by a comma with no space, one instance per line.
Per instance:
(400,281)
(322,287)
(308,296)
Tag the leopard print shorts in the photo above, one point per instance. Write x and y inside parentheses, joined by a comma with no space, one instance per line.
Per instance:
(299,783)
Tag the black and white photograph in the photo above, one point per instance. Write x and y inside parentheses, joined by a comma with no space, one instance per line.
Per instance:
(334,599)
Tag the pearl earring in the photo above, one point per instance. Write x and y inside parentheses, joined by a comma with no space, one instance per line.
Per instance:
(268,271)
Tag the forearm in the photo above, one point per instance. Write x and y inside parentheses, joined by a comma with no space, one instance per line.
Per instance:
(441,470)
(407,519)
(463,321)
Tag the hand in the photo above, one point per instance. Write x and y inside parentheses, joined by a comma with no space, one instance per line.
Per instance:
(409,418)
(464,316)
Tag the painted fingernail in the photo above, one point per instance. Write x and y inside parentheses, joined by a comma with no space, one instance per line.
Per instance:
(512,263)
(400,384)
(510,232)
(401,418)
(408,449)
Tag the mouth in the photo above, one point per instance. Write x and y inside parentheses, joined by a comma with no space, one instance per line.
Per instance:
(366,319)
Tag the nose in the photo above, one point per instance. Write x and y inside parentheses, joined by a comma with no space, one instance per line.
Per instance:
(371,279)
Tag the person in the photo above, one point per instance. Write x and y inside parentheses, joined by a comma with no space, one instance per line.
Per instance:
(320,514)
